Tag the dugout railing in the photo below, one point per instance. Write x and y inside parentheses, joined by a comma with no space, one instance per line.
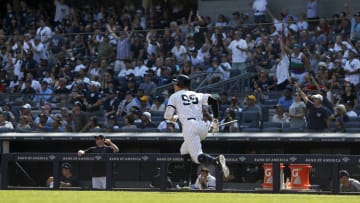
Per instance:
(333,161)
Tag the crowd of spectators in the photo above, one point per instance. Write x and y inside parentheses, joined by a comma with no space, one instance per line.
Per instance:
(94,68)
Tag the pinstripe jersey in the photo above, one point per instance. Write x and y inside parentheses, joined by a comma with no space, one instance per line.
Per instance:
(188,104)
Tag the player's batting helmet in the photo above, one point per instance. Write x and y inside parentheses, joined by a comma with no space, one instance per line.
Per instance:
(182,80)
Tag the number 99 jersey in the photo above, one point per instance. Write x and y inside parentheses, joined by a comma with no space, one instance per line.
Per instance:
(188,104)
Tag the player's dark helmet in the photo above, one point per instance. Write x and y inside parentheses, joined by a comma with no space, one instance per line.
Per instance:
(182,80)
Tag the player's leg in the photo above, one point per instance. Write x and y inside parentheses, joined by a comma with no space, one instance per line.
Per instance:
(199,157)
(103,182)
(187,162)
(95,183)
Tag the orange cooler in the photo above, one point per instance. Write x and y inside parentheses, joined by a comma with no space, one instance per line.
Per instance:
(268,175)
(300,176)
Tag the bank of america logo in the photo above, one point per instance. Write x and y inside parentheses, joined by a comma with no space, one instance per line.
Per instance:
(292,158)
(346,159)
(52,157)
(98,157)
(242,158)
(145,158)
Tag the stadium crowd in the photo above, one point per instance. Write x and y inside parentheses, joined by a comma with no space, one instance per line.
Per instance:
(95,68)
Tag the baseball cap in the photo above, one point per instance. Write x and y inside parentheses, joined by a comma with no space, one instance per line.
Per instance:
(148,115)
(66,165)
(317,96)
(99,136)
(144,98)
(322,64)
(26,106)
(252,97)
(343,173)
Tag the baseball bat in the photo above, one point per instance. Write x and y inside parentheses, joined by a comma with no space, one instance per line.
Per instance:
(227,123)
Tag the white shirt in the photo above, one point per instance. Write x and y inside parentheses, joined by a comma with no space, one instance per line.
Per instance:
(42,52)
(312,9)
(140,71)
(163,125)
(303,25)
(34,84)
(152,49)
(179,53)
(259,7)
(7,124)
(294,27)
(238,56)
(187,104)
(210,182)
(17,69)
(282,69)
(45,33)
(225,68)
(352,66)
(351,114)
(125,72)
(79,67)
(62,11)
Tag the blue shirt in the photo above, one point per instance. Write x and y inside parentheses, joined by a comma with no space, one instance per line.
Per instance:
(285,103)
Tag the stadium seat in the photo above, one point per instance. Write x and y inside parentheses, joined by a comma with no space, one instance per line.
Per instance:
(269,124)
(351,124)
(249,129)
(130,130)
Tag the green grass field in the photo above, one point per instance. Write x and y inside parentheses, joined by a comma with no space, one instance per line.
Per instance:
(15,196)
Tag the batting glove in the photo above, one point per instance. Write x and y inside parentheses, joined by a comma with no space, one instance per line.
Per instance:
(174,118)
(214,126)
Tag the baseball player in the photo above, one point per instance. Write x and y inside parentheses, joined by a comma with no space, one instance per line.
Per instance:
(186,106)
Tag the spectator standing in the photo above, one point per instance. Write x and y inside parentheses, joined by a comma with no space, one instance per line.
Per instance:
(62,11)
(299,63)
(282,68)
(111,103)
(352,68)
(317,114)
(297,113)
(103,146)
(287,99)
(123,46)
(79,119)
(238,48)
(179,51)
(45,34)
(259,9)
(312,13)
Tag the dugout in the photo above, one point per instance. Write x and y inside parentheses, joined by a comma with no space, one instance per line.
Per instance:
(138,175)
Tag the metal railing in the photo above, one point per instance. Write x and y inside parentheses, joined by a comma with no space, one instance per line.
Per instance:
(333,161)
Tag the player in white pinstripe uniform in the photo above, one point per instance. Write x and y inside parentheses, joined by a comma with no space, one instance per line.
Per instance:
(186,106)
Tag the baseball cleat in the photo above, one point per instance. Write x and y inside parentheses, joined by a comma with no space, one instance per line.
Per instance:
(224,168)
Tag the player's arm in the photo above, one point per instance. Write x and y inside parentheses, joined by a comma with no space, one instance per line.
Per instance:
(214,106)
(170,110)
(215,109)
(114,147)
(83,152)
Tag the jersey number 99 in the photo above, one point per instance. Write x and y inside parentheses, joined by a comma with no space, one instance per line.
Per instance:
(191,99)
